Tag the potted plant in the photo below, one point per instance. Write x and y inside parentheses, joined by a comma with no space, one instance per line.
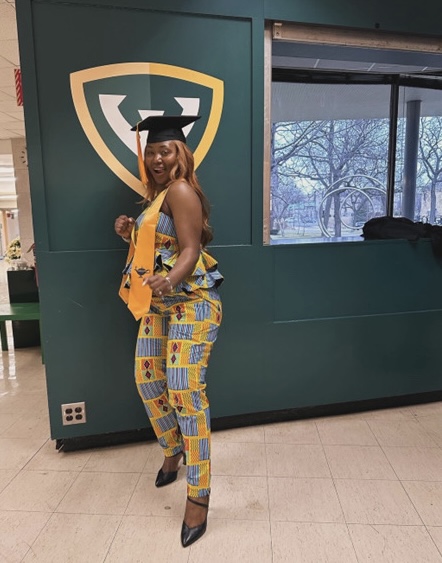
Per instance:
(14,256)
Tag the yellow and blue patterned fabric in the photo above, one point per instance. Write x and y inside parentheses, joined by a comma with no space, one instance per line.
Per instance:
(173,348)
(174,342)
(205,274)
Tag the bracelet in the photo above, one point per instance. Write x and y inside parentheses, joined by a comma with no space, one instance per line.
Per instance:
(126,239)
(170,283)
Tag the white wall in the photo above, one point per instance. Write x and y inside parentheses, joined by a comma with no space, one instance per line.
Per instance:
(15,196)
(23,197)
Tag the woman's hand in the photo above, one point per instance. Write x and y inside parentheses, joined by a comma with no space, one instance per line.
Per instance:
(161,285)
(124,225)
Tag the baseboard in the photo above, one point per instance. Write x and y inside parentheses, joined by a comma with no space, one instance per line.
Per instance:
(253,419)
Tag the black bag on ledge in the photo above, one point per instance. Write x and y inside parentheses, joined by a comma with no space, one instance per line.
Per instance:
(403,228)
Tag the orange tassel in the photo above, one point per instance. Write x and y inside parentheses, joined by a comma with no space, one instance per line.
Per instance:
(141,166)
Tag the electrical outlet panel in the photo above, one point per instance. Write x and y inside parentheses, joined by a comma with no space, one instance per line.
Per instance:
(73,413)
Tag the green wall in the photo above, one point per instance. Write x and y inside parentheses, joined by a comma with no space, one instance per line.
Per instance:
(405,16)
(304,325)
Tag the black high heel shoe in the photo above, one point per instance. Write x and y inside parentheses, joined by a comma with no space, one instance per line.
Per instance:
(166,477)
(190,535)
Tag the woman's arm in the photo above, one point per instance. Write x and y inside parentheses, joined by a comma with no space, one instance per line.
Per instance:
(184,205)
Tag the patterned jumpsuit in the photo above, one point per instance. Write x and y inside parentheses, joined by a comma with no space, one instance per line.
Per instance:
(173,347)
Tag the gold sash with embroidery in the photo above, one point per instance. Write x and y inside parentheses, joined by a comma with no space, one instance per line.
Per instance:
(142,256)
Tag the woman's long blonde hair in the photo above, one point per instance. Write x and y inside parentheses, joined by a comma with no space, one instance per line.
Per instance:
(184,169)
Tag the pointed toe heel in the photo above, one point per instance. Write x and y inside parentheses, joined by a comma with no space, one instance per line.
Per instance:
(190,535)
(166,477)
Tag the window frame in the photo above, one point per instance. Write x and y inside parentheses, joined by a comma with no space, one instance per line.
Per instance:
(396,81)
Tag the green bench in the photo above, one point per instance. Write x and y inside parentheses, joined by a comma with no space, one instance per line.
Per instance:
(16,312)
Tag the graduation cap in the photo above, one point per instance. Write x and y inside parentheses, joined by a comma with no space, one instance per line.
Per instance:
(161,128)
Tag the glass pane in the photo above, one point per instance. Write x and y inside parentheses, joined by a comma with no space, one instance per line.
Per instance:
(418,187)
(329,151)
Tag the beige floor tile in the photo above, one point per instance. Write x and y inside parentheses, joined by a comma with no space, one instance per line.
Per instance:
(27,370)
(73,538)
(238,459)
(18,530)
(7,420)
(304,500)
(311,543)
(6,476)
(27,379)
(306,513)
(393,544)
(8,385)
(128,458)
(427,409)
(154,459)
(436,534)
(99,493)
(358,462)
(416,464)
(294,432)
(30,428)
(376,502)
(50,459)
(254,434)
(31,376)
(21,403)
(233,541)
(39,491)
(345,432)
(432,424)
(427,499)
(26,384)
(239,498)
(168,502)
(144,539)
(16,452)
(12,387)
(232,497)
(296,461)
(37,394)
(400,433)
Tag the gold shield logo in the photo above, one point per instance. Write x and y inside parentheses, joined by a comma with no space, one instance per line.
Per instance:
(79,80)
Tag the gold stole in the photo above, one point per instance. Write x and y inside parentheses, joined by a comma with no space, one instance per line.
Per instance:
(142,256)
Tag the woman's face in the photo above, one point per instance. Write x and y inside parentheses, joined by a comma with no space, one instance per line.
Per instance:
(160,159)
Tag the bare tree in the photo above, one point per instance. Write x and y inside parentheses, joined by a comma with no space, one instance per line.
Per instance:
(430,148)
(288,139)
(325,152)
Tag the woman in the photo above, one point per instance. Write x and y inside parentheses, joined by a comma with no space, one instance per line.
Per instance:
(170,283)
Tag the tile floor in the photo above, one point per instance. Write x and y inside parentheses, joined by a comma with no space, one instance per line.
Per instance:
(357,488)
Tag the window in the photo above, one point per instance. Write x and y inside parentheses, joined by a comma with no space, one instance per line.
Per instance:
(348,144)
(418,186)
(329,147)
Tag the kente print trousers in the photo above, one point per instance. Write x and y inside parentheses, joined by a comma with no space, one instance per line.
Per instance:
(172,353)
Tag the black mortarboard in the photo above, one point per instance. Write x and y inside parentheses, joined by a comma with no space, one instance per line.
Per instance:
(160,128)
(165,127)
